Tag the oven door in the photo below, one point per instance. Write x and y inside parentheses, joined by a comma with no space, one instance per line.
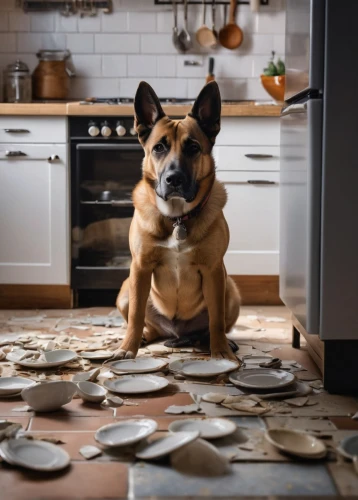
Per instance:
(103,178)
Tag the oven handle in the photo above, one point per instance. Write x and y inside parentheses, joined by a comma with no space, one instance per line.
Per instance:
(111,146)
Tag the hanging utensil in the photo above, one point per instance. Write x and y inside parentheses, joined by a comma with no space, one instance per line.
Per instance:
(231,36)
(213,16)
(204,35)
(184,35)
(210,76)
(175,36)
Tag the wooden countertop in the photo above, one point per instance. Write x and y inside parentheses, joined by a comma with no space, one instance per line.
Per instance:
(244,108)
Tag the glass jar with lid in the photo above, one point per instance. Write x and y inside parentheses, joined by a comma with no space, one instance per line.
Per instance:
(51,78)
(17,82)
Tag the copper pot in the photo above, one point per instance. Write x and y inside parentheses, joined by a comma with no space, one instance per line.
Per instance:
(51,78)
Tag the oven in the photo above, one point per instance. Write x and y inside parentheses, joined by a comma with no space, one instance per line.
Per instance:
(106,160)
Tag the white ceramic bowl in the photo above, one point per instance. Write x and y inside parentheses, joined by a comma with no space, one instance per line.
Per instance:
(91,392)
(49,396)
(296,443)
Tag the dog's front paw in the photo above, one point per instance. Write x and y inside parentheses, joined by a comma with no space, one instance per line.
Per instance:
(224,352)
(125,352)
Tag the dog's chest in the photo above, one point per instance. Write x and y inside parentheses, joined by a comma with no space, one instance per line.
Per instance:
(177,256)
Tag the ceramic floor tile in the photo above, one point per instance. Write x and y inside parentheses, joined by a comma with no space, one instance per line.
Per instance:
(58,423)
(7,407)
(345,478)
(345,423)
(164,422)
(78,408)
(244,480)
(85,481)
(153,406)
(24,421)
(303,423)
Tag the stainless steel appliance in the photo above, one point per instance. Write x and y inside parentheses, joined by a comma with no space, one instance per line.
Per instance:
(106,162)
(319,179)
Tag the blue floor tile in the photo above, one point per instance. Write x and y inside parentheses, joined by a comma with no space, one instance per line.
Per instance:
(244,480)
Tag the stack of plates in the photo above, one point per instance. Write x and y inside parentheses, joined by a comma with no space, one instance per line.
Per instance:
(11,387)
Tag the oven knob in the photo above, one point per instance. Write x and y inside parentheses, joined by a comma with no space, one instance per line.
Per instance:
(132,131)
(93,130)
(105,130)
(120,130)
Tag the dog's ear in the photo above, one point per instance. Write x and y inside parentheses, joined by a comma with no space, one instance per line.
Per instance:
(206,110)
(147,110)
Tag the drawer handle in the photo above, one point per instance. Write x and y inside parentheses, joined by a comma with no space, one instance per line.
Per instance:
(16,131)
(260,182)
(53,158)
(256,156)
(13,154)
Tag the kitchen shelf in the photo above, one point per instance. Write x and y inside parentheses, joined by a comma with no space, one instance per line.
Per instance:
(207,2)
(65,6)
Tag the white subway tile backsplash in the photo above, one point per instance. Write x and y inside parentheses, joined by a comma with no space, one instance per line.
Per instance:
(114,65)
(42,22)
(157,44)
(81,43)
(116,44)
(89,24)
(141,22)
(141,65)
(87,65)
(113,52)
(65,24)
(4,22)
(19,21)
(166,66)
(115,23)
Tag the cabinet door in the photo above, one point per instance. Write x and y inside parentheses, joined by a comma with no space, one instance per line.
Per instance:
(252,213)
(34,246)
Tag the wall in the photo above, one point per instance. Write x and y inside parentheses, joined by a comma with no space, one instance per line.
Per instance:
(113,52)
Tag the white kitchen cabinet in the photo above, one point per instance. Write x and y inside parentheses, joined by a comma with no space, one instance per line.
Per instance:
(34,219)
(247,160)
(33,129)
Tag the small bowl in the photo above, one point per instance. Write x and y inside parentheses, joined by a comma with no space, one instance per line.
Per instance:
(275,86)
(348,447)
(296,443)
(49,396)
(91,392)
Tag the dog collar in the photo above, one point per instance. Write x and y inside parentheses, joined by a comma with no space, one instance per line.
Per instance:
(180,231)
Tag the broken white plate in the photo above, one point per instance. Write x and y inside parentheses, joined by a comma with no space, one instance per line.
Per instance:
(33,454)
(296,443)
(89,391)
(136,384)
(89,452)
(206,367)
(89,376)
(96,354)
(208,428)
(262,378)
(49,396)
(52,358)
(139,365)
(126,432)
(200,458)
(163,446)
(14,385)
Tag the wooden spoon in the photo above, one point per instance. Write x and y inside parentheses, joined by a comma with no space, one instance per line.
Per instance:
(204,36)
(231,36)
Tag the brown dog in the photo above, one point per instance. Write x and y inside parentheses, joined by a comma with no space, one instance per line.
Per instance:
(178,237)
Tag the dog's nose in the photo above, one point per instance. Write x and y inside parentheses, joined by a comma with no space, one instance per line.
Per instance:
(174,179)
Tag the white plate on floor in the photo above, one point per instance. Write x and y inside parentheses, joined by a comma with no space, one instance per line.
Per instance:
(126,432)
(138,365)
(136,384)
(205,367)
(296,443)
(96,354)
(10,396)
(36,455)
(262,378)
(14,385)
(165,445)
(53,358)
(208,428)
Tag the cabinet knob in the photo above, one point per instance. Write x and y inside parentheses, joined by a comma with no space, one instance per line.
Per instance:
(132,131)
(120,129)
(106,131)
(93,131)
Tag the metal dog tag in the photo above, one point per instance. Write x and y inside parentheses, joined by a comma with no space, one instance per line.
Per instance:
(180,231)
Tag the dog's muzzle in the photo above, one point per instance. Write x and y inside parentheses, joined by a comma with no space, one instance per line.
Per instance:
(175,183)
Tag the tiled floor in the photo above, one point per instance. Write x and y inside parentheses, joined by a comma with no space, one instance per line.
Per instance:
(261,472)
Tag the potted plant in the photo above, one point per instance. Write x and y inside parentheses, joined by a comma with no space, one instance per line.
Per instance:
(273,79)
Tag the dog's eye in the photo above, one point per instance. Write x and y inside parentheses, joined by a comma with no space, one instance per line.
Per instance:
(159,148)
(194,148)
